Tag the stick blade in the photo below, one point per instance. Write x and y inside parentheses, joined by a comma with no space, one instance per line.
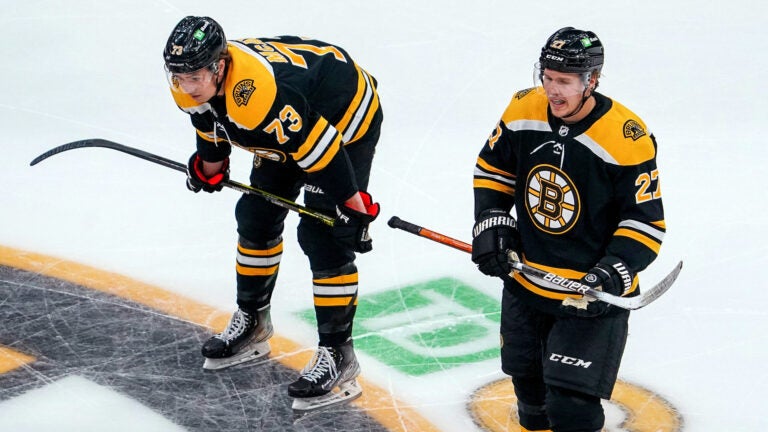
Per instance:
(650,295)
(663,286)
(95,142)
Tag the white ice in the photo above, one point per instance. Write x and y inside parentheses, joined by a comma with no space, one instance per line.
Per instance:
(693,70)
(76,404)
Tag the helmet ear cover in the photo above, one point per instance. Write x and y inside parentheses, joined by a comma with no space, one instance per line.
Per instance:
(214,67)
(587,78)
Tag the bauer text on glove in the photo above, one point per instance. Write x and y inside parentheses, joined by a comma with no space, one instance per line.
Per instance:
(350,229)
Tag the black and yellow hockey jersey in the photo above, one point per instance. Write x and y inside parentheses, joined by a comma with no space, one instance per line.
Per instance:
(289,100)
(580,191)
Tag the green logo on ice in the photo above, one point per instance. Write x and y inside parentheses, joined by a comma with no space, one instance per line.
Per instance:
(427,327)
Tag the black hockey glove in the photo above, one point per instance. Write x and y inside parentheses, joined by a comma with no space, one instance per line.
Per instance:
(350,229)
(610,275)
(197,180)
(494,238)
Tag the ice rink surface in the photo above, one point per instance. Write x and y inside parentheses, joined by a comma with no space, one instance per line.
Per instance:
(112,273)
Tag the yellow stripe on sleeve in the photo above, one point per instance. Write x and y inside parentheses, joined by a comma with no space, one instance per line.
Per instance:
(311,140)
(488,167)
(634,235)
(490,184)
(328,156)
(352,109)
(374,106)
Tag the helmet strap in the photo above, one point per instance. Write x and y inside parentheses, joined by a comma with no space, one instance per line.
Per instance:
(584,98)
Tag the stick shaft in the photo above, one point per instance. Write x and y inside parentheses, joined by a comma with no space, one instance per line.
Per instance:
(396,222)
(274,199)
(630,303)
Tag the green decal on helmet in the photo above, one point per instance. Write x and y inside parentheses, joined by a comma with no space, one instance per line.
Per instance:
(586,43)
(199,34)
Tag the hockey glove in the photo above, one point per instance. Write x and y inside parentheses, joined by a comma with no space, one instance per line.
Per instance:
(350,229)
(197,180)
(610,275)
(494,240)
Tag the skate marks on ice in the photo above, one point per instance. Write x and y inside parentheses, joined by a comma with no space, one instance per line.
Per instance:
(151,358)
(305,410)
(631,409)
(52,329)
(143,343)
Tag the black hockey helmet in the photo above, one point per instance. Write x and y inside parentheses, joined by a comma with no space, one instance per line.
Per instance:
(570,50)
(195,43)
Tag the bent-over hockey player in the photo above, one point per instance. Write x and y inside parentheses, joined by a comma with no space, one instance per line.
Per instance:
(311,117)
(580,171)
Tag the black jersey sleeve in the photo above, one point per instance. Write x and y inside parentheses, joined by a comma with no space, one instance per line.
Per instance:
(337,179)
(641,226)
(494,179)
(210,146)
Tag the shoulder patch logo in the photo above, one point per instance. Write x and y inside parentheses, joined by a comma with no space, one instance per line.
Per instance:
(632,129)
(243,91)
(522,93)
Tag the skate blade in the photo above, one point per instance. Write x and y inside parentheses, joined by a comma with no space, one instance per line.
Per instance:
(346,392)
(251,352)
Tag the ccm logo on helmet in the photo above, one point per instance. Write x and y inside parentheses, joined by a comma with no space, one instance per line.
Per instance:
(554,57)
(572,361)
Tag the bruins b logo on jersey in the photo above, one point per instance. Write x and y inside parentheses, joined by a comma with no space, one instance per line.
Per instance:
(551,199)
(243,91)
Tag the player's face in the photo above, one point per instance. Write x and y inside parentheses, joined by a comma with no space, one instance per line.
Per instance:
(564,91)
(200,84)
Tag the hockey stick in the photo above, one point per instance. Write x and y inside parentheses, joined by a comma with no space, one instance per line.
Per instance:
(629,303)
(274,199)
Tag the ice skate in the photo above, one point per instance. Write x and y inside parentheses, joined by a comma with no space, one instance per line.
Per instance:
(245,338)
(328,379)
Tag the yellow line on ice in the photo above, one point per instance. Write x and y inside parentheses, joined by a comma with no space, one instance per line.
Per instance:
(377,402)
(494,408)
(11,359)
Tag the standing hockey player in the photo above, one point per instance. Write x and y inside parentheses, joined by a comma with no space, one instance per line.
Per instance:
(580,171)
(311,117)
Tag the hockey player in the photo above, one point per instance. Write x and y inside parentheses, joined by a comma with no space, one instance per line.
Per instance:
(311,117)
(580,171)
